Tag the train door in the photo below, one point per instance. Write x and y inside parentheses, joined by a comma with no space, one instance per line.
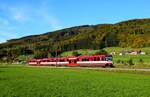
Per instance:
(72,62)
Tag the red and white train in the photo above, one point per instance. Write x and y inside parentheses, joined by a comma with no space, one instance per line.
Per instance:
(82,61)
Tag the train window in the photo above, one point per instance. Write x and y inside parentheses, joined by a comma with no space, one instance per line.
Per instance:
(94,58)
(98,58)
(83,59)
(69,61)
(44,61)
(62,60)
(47,60)
(77,59)
(87,59)
(109,58)
(58,60)
(52,60)
(103,58)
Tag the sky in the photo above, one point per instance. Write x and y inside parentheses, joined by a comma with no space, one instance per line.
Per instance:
(19,18)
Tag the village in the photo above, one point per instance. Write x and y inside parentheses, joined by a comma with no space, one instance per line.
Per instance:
(129,52)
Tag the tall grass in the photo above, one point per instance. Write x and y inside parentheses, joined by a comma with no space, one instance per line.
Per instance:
(49,82)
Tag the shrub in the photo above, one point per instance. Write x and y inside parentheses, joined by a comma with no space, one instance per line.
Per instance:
(130,62)
(55,53)
(100,52)
(141,61)
(49,55)
(40,54)
(75,53)
(122,62)
(118,61)
(24,58)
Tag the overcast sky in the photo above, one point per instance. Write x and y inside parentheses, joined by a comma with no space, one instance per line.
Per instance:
(28,17)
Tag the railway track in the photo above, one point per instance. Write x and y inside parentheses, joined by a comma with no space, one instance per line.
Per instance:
(123,69)
(97,68)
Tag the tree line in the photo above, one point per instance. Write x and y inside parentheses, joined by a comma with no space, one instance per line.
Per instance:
(132,33)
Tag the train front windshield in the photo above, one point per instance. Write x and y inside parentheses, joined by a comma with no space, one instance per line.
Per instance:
(109,58)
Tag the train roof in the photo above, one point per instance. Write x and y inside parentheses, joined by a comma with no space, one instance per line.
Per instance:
(72,57)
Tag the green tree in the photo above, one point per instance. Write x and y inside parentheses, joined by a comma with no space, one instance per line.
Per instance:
(101,52)
(40,54)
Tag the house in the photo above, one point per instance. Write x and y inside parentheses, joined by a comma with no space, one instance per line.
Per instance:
(132,52)
(142,53)
(113,53)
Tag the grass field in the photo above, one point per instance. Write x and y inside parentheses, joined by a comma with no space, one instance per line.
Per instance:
(108,49)
(21,81)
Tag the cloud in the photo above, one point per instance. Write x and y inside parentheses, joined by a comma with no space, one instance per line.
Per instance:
(26,18)
(14,13)
(11,19)
(6,30)
(37,13)
(51,21)
(48,17)
(18,14)
(55,23)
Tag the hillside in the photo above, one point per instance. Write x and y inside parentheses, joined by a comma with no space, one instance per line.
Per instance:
(132,33)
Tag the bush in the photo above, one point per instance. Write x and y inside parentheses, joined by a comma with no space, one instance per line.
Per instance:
(75,53)
(141,61)
(54,53)
(24,58)
(101,52)
(40,54)
(121,62)
(130,62)
(49,55)
(118,61)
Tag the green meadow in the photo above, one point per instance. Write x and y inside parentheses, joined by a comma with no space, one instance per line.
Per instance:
(22,81)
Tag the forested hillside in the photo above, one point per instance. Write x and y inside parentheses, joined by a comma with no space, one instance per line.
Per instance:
(132,33)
